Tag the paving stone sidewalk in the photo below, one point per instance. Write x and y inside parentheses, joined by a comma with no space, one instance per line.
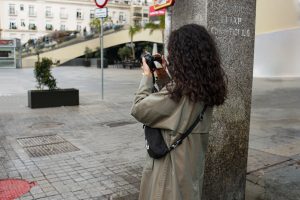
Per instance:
(111,151)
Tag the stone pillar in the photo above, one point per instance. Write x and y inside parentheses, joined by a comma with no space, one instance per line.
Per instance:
(232,23)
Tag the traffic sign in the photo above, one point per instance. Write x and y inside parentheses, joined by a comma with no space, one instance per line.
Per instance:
(160,4)
(101,12)
(101,3)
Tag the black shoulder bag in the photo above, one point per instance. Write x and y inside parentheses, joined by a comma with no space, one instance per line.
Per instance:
(155,143)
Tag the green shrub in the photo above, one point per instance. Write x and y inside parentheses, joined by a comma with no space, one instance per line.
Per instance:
(88,53)
(124,52)
(42,72)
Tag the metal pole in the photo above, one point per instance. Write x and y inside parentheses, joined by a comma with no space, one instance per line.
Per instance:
(101,53)
(15,58)
(168,28)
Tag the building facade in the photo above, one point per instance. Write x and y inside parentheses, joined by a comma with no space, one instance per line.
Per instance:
(31,19)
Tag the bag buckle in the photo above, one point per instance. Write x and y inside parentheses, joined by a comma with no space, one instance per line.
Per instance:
(178,142)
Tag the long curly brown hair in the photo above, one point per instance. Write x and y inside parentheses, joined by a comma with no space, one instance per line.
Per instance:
(195,66)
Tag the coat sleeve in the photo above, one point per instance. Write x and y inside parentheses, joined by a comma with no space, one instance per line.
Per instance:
(150,108)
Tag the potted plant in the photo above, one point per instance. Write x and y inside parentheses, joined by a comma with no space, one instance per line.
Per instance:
(87,55)
(48,95)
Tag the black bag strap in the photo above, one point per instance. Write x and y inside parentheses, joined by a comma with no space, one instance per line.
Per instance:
(183,136)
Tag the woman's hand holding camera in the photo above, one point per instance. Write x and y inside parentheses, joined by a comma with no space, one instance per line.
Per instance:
(146,68)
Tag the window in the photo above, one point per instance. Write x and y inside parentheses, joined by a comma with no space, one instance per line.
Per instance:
(23,23)
(62,27)
(92,14)
(12,9)
(63,14)
(21,7)
(49,27)
(31,11)
(121,16)
(48,12)
(79,14)
(32,26)
(78,27)
(12,25)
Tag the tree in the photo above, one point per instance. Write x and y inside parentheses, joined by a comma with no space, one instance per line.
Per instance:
(96,24)
(43,75)
(132,31)
(124,52)
(87,53)
(160,26)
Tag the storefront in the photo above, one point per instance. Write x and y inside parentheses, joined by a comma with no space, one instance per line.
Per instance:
(10,53)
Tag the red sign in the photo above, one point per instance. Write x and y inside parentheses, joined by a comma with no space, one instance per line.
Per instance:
(101,3)
(160,4)
(7,42)
(153,12)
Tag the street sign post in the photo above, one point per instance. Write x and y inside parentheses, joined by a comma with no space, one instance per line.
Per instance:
(101,3)
(101,13)
(160,4)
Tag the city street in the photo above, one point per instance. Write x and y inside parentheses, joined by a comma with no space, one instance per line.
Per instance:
(105,151)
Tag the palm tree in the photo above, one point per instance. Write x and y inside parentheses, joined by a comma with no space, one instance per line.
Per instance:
(160,26)
(96,24)
(132,31)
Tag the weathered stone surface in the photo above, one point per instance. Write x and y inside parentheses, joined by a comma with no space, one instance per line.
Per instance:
(232,23)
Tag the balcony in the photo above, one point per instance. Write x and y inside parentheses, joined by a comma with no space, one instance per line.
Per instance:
(32,14)
(49,27)
(64,15)
(13,13)
(137,15)
(49,15)
(79,16)
(32,27)
(13,27)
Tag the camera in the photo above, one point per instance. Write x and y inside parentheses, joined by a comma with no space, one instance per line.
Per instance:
(151,61)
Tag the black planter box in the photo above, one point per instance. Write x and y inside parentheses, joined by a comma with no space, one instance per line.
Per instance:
(86,63)
(53,98)
(105,63)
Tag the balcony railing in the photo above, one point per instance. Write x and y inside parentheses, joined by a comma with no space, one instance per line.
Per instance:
(32,27)
(13,12)
(64,15)
(80,17)
(13,27)
(137,14)
(49,15)
(49,28)
(32,14)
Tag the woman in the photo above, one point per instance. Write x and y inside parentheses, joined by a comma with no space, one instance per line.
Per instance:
(197,80)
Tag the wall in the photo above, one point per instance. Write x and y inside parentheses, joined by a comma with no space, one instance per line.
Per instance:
(275,15)
(277,42)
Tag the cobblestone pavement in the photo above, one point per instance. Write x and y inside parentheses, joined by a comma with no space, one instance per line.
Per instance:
(111,152)
(110,160)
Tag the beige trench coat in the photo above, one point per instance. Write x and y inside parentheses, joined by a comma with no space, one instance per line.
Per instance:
(179,175)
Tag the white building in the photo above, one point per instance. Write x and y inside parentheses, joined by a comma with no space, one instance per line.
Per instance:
(30,19)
